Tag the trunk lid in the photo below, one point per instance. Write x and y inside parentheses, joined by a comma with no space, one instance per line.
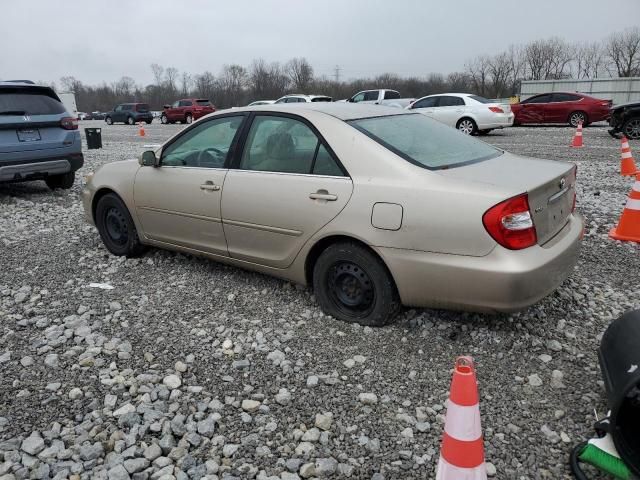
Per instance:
(549,184)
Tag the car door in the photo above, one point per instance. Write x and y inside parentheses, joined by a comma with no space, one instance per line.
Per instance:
(449,110)
(559,107)
(426,106)
(533,109)
(178,202)
(173,111)
(117,116)
(288,184)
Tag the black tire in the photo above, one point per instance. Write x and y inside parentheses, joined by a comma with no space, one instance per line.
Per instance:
(352,284)
(578,117)
(631,128)
(63,181)
(163,119)
(130,121)
(109,120)
(485,132)
(148,122)
(116,227)
(188,119)
(467,126)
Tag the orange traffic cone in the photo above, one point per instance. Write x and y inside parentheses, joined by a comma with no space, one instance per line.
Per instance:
(462,452)
(627,165)
(628,228)
(141,131)
(577,138)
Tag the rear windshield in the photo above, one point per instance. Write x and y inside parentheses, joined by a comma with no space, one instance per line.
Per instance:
(480,99)
(425,142)
(321,99)
(203,103)
(142,107)
(28,103)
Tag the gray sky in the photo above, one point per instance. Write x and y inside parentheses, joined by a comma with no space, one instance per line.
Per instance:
(103,40)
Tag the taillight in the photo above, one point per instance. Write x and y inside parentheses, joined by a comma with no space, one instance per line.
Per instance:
(496,109)
(510,223)
(69,123)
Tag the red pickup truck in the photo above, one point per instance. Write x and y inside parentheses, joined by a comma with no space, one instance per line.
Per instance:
(186,110)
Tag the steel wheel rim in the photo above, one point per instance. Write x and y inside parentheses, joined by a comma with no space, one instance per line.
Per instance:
(189,119)
(351,289)
(116,226)
(632,129)
(466,127)
(577,118)
(163,119)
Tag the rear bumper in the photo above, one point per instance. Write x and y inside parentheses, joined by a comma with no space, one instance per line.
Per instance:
(40,168)
(499,121)
(504,280)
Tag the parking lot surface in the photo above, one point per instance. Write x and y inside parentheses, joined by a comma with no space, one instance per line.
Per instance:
(190,368)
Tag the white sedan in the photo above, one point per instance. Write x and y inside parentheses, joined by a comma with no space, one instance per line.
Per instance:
(471,114)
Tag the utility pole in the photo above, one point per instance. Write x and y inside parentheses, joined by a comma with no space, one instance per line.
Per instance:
(337,73)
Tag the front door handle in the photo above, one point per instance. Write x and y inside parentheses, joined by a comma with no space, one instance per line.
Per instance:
(210,186)
(323,195)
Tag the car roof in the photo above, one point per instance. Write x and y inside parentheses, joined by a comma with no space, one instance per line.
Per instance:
(340,110)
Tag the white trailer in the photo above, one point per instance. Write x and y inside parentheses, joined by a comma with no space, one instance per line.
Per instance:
(69,102)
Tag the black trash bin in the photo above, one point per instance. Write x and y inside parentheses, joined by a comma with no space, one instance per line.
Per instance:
(619,355)
(94,138)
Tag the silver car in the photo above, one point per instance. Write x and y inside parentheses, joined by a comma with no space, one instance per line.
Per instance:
(373,207)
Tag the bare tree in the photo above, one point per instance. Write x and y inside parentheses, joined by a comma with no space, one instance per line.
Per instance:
(125,88)
(185,84)
(171,77)
(71,84)
(158,73)
(478,71)
(623,50)
(205,85)
(232,83)
(267,80)
(499,67)
(548,59)
(589,60)
(300,73)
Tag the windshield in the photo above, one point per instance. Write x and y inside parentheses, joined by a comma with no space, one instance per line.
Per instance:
(480,99)
(425,142)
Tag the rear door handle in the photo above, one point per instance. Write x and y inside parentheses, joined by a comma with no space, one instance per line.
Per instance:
(329,197)
(210,186)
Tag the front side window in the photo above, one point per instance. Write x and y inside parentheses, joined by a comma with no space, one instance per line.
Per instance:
(538,99)
(359,97)
(203,146)
(282,100)
(371,96)
(286,145)
(175,104)
(118,108)
(425,142)
(127,107)
(426,103)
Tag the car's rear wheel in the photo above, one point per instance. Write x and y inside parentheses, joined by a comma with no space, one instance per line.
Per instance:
(631,128)
(116,227)
(578,117)
(130,120)
(148,122)
(467,126)
(352,284)
(63,181)
(188,119)
(163,119)
(109,121)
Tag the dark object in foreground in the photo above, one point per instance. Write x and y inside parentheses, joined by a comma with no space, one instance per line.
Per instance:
(625,120)
(94,138)
(619,355)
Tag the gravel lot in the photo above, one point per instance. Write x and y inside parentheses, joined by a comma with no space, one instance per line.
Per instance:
(191,369)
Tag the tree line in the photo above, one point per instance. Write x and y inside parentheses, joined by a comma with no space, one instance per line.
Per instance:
(493,76)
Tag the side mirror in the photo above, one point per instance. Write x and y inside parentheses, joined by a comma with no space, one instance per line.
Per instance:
(148,159)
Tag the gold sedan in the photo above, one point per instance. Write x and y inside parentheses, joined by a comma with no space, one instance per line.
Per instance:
(373,207)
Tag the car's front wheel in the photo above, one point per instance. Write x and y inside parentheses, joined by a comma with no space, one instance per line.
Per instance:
(109,120)
(63,181)
(467,126)
(352,284)
(148,122)
(163,119)
(188,119)
(631,128)
(130,120)
(116,227)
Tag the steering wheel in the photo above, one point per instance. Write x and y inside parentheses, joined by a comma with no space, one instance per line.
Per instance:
(206,156)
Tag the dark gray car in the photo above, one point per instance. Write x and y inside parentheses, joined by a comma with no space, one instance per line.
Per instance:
(130,113)
(39,139)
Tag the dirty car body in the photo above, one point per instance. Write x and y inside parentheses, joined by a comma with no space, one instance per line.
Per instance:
(372,206)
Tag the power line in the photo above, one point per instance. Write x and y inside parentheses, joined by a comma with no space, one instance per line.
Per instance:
(337,73)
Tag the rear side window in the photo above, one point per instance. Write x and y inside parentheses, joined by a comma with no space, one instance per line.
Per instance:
(142,107)
(564,97)
(426,103)
(127,107)
(425,142)
(203,103)
(450,101)
(321,99)
(28,103)
(391,95)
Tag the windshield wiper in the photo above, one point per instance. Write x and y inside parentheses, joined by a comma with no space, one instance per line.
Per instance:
(13,112)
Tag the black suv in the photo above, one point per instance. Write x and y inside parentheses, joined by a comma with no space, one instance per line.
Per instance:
(39,139)
(130,113)
(625,119)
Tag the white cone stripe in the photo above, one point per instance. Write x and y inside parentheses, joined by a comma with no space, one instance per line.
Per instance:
(636,187)
(633,204)
(626,155)
(446,471)
(463,423)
